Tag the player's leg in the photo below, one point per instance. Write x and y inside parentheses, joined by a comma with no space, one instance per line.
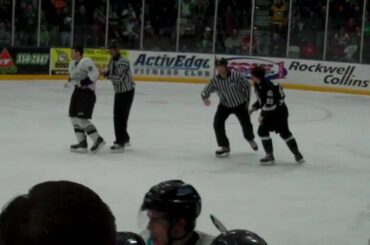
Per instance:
(81,146)
(246,124)
(92,132)
(119,118)
(221,116)
(264,134)
(85,111)
(286,135)
(127,104)
(117,111)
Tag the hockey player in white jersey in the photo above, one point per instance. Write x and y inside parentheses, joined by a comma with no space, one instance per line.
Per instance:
(83,74)
(169,212)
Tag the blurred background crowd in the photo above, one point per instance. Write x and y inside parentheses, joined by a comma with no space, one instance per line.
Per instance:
(337,30)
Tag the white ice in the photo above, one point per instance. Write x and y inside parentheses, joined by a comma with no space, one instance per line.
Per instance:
(326,201)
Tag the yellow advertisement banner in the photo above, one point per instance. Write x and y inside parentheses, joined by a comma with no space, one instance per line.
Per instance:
(61,57)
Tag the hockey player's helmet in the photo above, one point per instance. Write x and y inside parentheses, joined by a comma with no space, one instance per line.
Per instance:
(258,72)
(221,62)
(129,238)
(174,198)
(238,237)
(79,48)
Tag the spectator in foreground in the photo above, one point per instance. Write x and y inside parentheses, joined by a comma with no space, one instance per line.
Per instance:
(57,213)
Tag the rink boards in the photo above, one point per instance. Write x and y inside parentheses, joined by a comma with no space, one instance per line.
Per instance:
(194,68)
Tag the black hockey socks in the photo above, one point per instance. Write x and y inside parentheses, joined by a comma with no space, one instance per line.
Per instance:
(293,146)
(267,145)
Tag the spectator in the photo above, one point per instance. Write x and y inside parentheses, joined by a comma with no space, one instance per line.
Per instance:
(4,35)
(98,28)
(230,22)
(350,50)
(233,43)
(186,9)
(57,213)
(65,28)
(278,15)
(341,39)
(59,4)
(129,23)
(207,41)
(28,25)
(44,36)
(246,43)
(6,10)
(82,27)
(309,51)
(350,26)
(277,46)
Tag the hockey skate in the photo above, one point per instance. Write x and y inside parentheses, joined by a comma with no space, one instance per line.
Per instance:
(223,152)
(299,158)
(98,145)
(268,160)
(80,147)
(117,148)
(253,144)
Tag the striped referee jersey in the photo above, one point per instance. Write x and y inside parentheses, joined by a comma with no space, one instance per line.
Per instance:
(120,74)
(233,91)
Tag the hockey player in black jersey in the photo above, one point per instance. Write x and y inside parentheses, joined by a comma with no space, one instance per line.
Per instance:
(274,115)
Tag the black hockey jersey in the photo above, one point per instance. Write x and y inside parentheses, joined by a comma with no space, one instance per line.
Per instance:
(270,98)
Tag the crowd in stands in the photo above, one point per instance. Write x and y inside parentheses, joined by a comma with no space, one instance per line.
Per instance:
(5,21)
(233,26)
(308,28)
(196,26)
(366,51)
(160,25)
(125,22)
(344,36)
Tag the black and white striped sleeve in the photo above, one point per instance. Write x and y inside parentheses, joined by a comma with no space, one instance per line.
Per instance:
(122,68)
(209,89)
(246,86)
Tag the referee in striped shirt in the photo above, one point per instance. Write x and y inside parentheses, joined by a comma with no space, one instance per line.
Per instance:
(120,74)
(234,92)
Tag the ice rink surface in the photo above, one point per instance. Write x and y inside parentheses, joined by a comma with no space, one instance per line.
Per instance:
(326,201)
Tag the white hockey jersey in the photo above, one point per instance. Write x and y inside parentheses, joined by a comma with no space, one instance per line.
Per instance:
(204,239)
(80,70)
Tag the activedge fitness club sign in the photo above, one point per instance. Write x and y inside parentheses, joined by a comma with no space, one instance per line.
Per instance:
(171,64)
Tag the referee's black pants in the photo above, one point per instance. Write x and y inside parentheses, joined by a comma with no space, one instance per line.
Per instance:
(122,108)
(221,116)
